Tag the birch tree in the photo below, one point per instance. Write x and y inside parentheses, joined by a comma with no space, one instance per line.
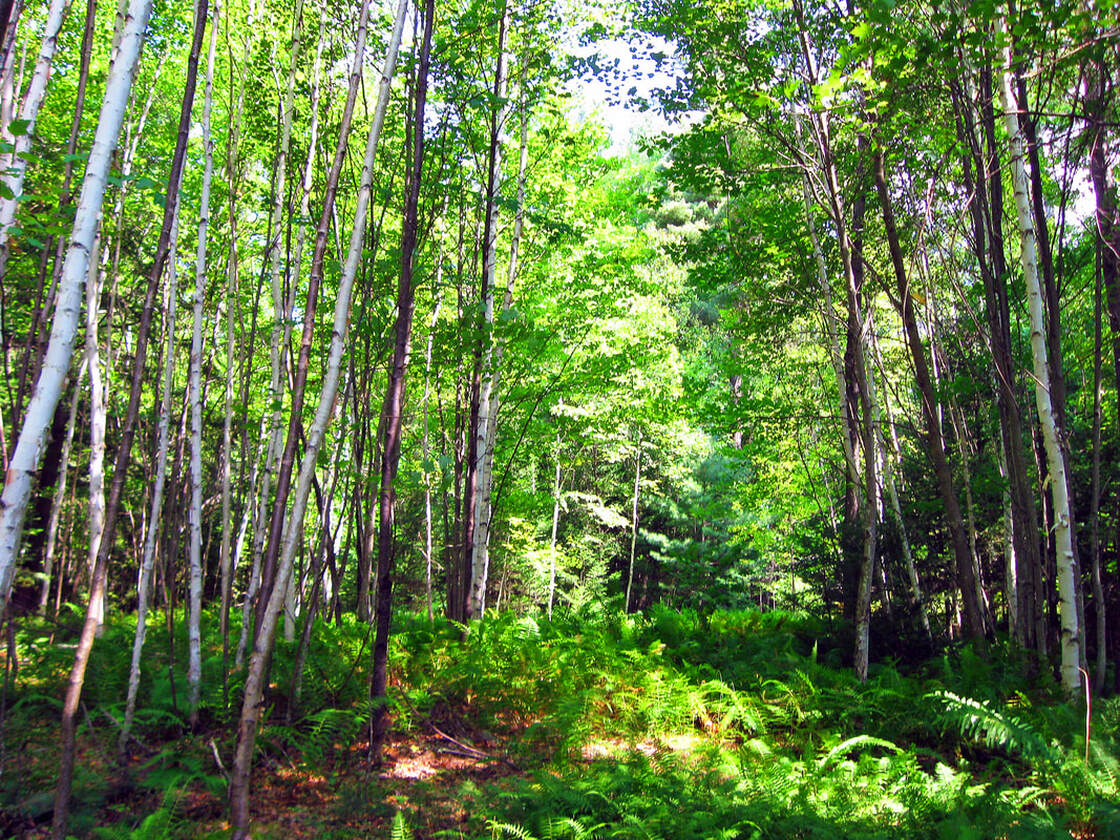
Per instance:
(1055,463)
(15,165)
(194,607)
(56,364)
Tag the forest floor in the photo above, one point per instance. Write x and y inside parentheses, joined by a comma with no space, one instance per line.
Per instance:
(735,725)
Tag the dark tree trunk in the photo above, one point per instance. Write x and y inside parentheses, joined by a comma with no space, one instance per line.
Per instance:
(973,614)
(394,403)
(127,436)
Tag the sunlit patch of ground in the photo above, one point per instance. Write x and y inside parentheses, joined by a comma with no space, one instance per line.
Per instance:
(681,744)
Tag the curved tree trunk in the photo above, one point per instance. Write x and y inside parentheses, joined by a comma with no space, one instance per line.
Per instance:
(266,626)
(973,614)
(56,365)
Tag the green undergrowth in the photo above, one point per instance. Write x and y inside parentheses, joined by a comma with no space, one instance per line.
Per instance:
(667,725)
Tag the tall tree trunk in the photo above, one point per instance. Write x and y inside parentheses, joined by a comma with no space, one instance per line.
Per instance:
(1101,666)
(1059,487)
(56,365)
(194,605)
(484,529)
(1108,247)
(394,403)
(474,530)
(147,563)
(299,377)
(97,397)
(982,179)
(266,628)
(1052,317)
(973,614)
(281,324)
(425,444)
(858,410)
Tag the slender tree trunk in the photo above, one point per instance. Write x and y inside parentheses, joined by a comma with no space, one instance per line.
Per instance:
(281,325)
(299,378)
(856,397)
(1108,248)
(475,530)
(634,523)
(147,563)
(394,402)
(1059,487)
(56,365)
(973,615)
(484,530)
(97,395)
(194,606)
(228,569)
(425,446)
(258,665)
(1101,666)
(986,212)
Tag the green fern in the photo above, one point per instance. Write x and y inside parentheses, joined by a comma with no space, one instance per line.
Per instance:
(975,719)
(503,829)
(859,742)
(400,829)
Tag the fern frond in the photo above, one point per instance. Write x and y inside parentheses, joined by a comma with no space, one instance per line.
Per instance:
(858,742)
(975,719)
(502,829)
(400,829)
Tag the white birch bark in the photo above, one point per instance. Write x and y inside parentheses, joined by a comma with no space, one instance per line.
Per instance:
(297,264)
(1059,488)
(483,519)
(14,165)
(480,502)
(281,314)
(194,606)
(317,431)
(56,364)
(147,563)
(96,506)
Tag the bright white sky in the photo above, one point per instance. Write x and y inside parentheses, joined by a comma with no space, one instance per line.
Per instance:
(592,97)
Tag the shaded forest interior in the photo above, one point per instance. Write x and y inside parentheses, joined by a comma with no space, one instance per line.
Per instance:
(398,443)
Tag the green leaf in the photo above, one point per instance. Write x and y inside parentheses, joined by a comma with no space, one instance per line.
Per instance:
(18,128)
